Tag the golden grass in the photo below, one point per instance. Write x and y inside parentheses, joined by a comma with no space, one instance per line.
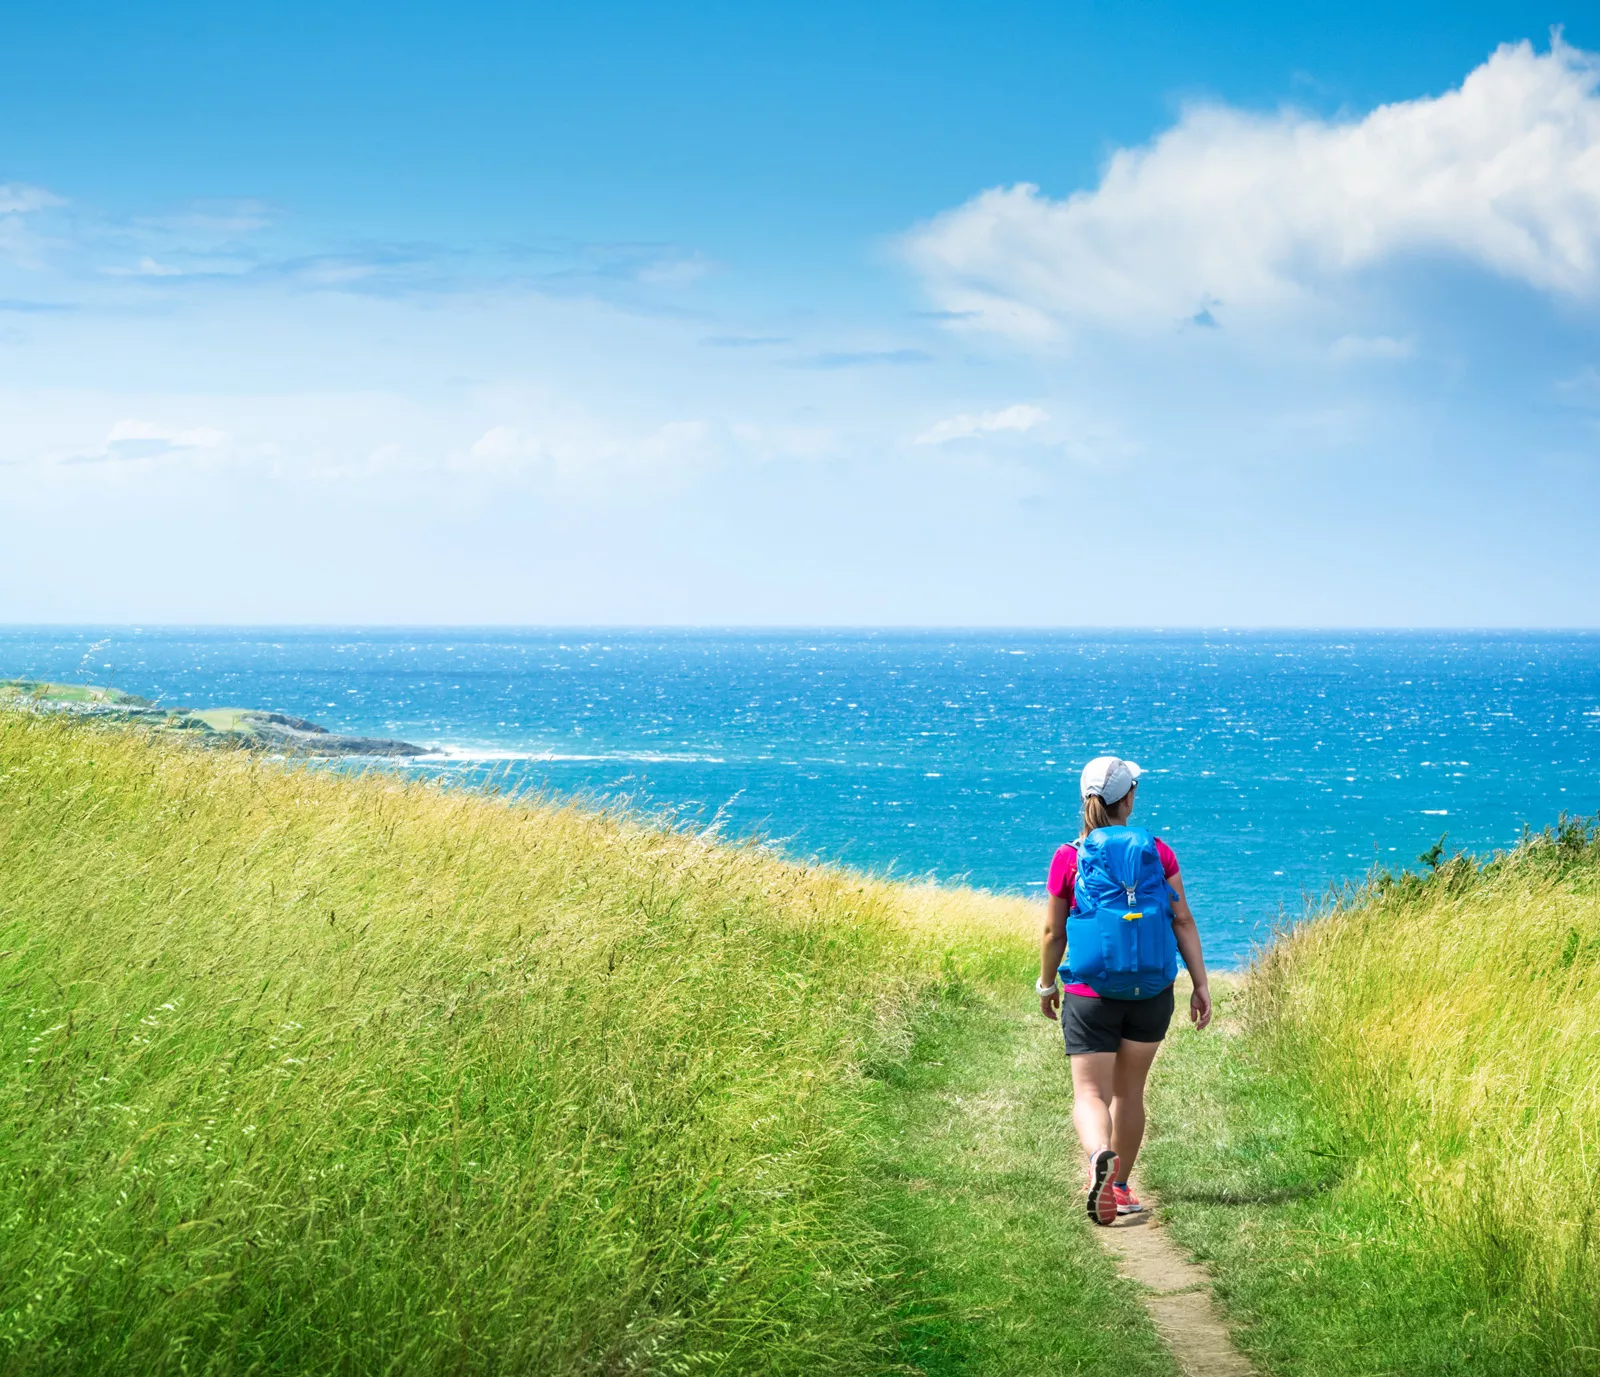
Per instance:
(1446,1032)
(306,1072)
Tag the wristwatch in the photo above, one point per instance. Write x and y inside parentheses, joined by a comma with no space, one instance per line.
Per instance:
(1044,991)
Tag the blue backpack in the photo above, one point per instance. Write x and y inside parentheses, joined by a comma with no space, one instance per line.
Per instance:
(1119,939)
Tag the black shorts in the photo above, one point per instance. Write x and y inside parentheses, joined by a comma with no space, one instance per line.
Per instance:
(1099,1025)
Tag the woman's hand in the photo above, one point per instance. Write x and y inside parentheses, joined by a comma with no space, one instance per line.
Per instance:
(1051,950)
(1188,936)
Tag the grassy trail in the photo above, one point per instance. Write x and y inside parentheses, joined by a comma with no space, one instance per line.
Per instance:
(303,1073)
(975,1145)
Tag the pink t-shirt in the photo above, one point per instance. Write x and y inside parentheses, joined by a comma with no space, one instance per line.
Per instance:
(1063,880)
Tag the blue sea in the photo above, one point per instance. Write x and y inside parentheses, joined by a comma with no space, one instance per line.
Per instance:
(1278,764)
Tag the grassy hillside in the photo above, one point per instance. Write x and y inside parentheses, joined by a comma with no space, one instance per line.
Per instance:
(302,1072)
(1393,1154)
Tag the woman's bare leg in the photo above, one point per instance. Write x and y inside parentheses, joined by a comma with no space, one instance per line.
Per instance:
(1093,1076)
(1130,1070)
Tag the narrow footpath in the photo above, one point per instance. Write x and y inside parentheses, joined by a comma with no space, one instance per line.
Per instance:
(983,1191)
(1176,1293)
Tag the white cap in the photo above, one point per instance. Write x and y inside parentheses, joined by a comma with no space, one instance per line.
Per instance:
(1108,777)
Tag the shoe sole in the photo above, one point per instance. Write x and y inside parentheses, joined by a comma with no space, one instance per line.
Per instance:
(1130,1209)
(1102,1204)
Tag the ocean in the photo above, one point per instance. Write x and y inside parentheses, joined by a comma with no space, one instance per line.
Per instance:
(1280,765)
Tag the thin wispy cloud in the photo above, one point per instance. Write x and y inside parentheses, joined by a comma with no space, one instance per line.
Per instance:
(744,341)
(218,221)
(1582,388)
(22,243)
(1232,216)
(863,358)
(16,198)
(586,265)
(675,271)
(1348,347)
(27,306)
(200,245)
(966,426)
(138,439)
(145,267)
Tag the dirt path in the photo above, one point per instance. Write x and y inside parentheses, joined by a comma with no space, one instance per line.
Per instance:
(1176,1293)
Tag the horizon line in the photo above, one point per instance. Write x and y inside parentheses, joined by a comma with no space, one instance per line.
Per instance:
(1014,628)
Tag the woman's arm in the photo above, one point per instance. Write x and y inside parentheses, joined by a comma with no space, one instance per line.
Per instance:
(1051,950)
(1188,935)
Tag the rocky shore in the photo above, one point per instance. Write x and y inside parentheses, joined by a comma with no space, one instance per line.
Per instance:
(239,728)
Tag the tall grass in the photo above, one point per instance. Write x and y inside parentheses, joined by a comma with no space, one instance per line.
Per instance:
(1442,1036)
(309,1073)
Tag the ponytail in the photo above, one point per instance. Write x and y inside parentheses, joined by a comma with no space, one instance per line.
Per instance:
(1096,814)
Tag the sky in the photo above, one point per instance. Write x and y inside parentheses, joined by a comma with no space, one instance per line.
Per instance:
(825,314)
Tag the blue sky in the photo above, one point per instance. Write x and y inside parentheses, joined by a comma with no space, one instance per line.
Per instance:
(712,314)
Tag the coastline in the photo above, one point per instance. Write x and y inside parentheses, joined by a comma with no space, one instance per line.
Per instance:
(253,729)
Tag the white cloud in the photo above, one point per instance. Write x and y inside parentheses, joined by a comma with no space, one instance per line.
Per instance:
(969,424)
(1348,347)
(675,271)
(674,442)
(1582,388)
(146,267)
(501,449)
(135,439)
(1239,216)
(19,199)
(211,221)
(20,243)
(576,450)
(196,437)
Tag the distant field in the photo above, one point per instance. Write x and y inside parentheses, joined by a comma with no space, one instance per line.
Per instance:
(64,693)
(1391,1152)
(309,1073)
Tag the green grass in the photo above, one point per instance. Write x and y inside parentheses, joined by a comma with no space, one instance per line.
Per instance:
(1390,1149)
(38,690)
(306,1072)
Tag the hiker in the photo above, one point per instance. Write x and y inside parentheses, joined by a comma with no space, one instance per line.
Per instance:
(1118,916)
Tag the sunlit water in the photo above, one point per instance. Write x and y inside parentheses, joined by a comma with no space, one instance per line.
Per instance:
(1279,763)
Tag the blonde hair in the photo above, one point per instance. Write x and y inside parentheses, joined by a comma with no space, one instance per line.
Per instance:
(1098,813)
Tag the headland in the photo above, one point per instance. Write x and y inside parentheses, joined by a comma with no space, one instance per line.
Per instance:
(275,733)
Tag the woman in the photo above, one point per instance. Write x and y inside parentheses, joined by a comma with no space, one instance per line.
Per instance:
(1113,1040)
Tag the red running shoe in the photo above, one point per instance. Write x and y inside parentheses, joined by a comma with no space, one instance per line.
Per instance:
(1102,1189)
(1127,1201)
